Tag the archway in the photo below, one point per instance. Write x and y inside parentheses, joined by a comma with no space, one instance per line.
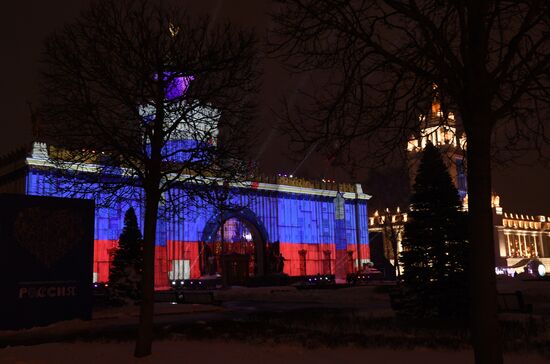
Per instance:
(233,245)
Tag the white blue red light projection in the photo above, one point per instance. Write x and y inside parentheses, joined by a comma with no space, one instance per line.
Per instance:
(303,220)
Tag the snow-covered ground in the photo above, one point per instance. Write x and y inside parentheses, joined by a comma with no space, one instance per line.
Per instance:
(227,353)
(359,295)
(535,292)
(182,350)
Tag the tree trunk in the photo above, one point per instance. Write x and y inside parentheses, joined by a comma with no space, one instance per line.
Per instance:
(146,312)
(483,294)
(393,242)
(396,259)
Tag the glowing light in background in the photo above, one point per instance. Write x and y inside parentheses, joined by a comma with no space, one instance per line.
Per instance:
(178,86)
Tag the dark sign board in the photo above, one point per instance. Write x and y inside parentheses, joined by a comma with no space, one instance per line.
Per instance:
(46,257)
(378,256)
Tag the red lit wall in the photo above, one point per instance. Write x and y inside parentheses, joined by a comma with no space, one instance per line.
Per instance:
(365,252)
(164,255)
(315,258)
(189,250)
(103,250)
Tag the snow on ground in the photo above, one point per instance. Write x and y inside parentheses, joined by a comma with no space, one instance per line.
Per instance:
(102,319)
(204,352)
(359,295)
(164,308)
(223,352)
(535,292)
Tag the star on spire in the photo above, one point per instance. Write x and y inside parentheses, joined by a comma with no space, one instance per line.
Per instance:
(173,29)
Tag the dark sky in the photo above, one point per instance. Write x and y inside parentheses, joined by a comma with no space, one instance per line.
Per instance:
(25,23)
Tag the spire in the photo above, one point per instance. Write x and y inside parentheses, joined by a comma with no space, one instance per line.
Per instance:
(436,102)
(436,117)
(173,29)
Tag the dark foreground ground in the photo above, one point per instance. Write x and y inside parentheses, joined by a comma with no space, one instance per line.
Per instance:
(283,325)
(222,352)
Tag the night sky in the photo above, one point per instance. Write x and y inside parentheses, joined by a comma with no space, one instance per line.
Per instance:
(523,187)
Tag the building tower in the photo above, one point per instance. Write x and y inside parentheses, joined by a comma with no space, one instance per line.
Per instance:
(439,128)
(521,241)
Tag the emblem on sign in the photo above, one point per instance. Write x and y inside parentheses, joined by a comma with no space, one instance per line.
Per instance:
(47,234)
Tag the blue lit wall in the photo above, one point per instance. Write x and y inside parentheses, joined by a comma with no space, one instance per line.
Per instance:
(288,217)
(304,221)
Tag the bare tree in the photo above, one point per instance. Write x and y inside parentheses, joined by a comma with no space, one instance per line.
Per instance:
(390,188)
(490,60)
(138,96)
(393,230)
(391,226)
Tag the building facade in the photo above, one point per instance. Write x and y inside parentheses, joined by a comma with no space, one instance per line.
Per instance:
(317,227)
(518,238)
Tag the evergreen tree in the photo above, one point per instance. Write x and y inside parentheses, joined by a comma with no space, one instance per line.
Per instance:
(126,268)
(435,247)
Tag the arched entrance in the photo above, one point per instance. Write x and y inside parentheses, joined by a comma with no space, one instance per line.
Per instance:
(234,246)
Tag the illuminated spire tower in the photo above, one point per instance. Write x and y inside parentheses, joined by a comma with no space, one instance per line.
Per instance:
(438,127)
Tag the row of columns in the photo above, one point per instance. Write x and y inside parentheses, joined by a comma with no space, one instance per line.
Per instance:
(523,248)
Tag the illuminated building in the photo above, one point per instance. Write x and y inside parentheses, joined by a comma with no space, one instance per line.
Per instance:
(519,238)
(318,227)
(440,129)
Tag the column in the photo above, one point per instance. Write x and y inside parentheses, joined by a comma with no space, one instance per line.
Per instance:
(542,253)
(519,246)
(340,238)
